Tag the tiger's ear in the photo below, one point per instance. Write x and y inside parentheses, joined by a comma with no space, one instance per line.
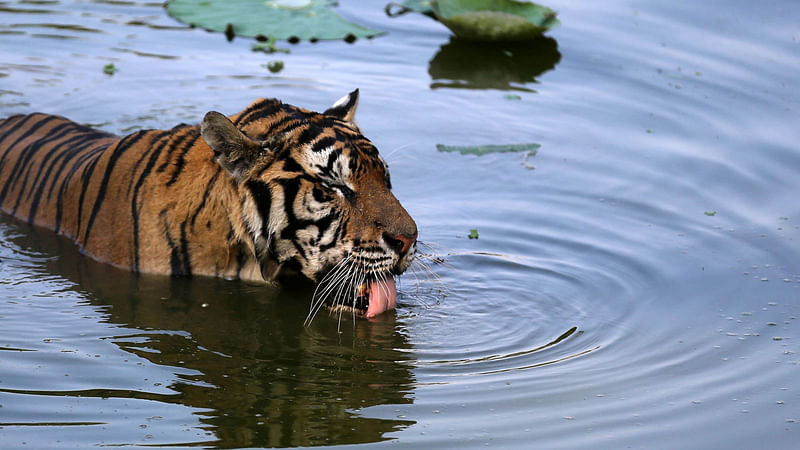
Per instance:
(345,107)
(235,151)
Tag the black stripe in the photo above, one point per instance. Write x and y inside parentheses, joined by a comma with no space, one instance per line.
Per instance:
(93,155)
(241,257)
(147,154)
(86,178)
(187,263)
(286,128)
(323,224)
(81,140)
(257,111)
(178,142)
(44,121)
(340,233)
(286,122)
(8,148)
(126,143)
(263,198)
(70,153)
(243,114)
(10,122)
(181,161)
(24,158)
(209,188)
(43,177)
(323,143)
(24,155)
(10,118)
(291,165)
(58,132)
(154,154)
(331,161)
(178,256)
(309,134)
(174,255)
(291,187)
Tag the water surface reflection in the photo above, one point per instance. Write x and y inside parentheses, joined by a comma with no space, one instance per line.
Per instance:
(240,353)
(504,66)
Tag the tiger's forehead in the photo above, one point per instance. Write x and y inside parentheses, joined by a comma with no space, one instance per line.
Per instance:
(336,151)
(323,145)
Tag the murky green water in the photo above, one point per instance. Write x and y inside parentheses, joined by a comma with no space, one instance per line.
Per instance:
(635,283)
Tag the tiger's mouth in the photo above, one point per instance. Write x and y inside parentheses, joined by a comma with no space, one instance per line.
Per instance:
(370,299)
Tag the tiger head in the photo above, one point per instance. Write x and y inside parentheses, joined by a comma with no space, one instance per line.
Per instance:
(316,200)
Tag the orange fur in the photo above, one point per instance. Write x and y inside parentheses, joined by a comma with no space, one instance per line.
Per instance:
(273,187)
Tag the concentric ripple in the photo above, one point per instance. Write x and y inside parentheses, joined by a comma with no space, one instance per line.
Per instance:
(633,284)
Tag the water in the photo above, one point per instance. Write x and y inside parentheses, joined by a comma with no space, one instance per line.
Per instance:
(635,283)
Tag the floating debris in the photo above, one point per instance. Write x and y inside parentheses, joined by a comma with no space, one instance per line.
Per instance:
(481,150)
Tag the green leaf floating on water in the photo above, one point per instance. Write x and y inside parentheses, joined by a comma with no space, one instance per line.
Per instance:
(274,66)
(485,20)
(481,150)
(278,19)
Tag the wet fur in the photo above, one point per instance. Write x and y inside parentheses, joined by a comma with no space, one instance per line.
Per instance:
(269,190)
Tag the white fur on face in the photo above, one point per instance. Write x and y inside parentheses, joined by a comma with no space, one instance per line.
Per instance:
(317,161)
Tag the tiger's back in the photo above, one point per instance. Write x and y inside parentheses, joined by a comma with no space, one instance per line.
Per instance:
(40,155)
(124,201)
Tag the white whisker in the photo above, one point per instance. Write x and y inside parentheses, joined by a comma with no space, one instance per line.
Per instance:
(392,152)
(329,281)
(340,288)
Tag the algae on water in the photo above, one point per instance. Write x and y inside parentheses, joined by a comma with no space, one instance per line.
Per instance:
(481,150)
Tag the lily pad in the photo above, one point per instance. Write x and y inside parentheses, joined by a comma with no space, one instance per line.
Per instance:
(481,150)
(494,20)
(484,20)
(291,20)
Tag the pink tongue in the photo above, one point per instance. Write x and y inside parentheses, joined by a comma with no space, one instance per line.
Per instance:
(382,297)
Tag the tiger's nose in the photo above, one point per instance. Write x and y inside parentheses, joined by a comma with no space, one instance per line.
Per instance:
(400,243)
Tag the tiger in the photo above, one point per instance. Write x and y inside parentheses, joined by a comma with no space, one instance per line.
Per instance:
(271,193)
